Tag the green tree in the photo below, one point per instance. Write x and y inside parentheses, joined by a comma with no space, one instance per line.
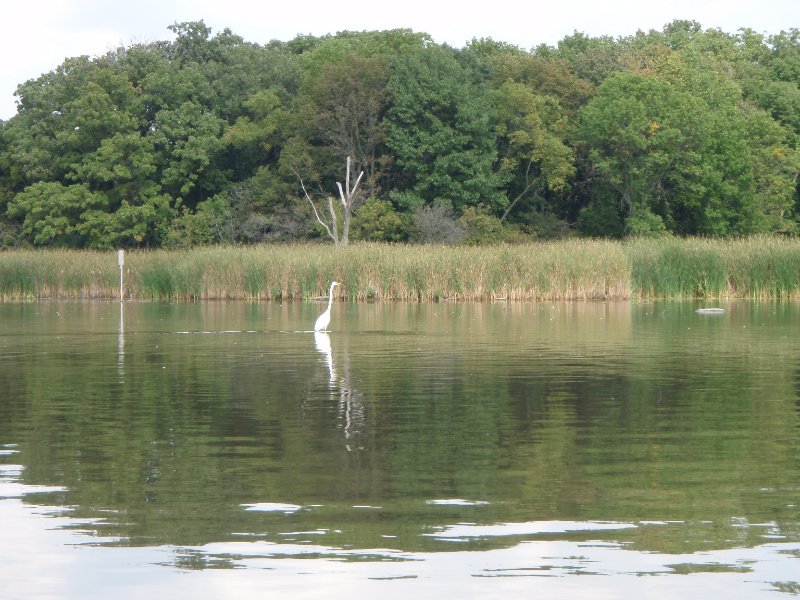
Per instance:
(441,129)
(64,115)
(210,223)
(142,224)
(339,108)
(676,146)
(187,141)
(545,74)
(784,60)
(591,59)
(54,214)
(770,75)
(255,137)
(531,130)
(123,167)
(776,164)
(630,141)
(344,102)
(201,139)
(378,221)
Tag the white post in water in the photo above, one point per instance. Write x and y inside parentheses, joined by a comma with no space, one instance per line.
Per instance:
(121,263)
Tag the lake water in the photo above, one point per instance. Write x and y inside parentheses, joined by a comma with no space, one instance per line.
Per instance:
(576,450)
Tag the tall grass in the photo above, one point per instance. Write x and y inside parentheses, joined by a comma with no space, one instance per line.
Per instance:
(383,272)
(565,270)
(755,267)
(58,273)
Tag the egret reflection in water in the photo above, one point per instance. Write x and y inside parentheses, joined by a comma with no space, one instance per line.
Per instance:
(341,389)
(323,343)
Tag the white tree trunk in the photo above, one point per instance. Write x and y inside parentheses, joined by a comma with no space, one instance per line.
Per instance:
(348,197)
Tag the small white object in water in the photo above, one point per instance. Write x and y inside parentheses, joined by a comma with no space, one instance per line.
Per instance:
(272,507)
(710,311)
(456,502)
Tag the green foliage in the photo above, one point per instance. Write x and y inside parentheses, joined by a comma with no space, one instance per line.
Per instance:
(205,139)
(535,129)
(630,137)
(256,134)
(540,225)
(9,235)
(680,147)
(338,112)
(378,221)
(130,225)
(591,59)
(531,131)
(187,140)
(643,223)
(440,127)
(54,214)
(208,224)
(482,226)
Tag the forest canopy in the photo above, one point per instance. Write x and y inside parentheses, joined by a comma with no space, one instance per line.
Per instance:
(206,139)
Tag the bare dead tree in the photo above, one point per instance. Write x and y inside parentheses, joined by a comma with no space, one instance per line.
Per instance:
(348,197)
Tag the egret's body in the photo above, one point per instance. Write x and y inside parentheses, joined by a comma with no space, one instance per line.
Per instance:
(325,318)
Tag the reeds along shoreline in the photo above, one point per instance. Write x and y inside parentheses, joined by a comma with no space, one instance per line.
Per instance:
(580,269)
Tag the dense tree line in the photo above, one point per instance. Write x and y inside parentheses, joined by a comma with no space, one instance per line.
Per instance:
(205,139)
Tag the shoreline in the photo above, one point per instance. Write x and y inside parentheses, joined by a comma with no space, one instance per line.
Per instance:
(761,267)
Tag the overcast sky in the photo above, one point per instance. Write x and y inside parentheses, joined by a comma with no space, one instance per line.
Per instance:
(37,35)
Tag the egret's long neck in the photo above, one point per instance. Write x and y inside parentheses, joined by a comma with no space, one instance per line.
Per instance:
(330,297)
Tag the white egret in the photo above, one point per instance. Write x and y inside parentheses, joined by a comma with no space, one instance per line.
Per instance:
(325,318)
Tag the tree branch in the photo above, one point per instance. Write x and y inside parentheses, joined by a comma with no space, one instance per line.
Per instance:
(333,220)
(341,195)
(528,186)
(347,196)
(515,200)
(314,208)
(358,180)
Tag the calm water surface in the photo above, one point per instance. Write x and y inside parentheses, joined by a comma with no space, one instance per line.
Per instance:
(220,450)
